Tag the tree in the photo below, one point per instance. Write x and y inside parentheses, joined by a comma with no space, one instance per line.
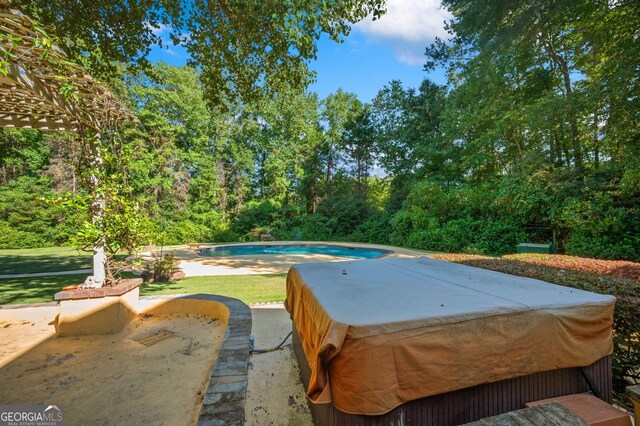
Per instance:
(245,49)
(20,152)
(360,146)
(337,110)
(553,60)
(410,140)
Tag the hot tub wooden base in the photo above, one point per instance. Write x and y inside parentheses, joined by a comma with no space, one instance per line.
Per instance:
(470,404)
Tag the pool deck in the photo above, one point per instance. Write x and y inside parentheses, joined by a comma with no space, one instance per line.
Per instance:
(194,264)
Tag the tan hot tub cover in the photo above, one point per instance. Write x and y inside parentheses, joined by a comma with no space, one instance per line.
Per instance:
(378,333)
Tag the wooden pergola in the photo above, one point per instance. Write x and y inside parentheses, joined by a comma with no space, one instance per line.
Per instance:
(40,88)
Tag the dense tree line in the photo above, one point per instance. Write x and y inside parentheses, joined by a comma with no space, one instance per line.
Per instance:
(534,138)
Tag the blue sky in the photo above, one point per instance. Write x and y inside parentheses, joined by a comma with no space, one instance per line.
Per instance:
(373,54)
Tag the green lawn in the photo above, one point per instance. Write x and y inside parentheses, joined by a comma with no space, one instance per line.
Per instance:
(50,259)
(248,288)
(35,290)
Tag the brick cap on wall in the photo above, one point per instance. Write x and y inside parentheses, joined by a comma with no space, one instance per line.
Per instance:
(123,286)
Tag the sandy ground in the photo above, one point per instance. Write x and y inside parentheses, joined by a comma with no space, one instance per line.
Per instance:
(37,367)
(195,265)
(110,379)
(275,393)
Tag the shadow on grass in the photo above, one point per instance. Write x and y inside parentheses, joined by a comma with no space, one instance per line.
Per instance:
(25,264)
(35,290)
(160,287)
(45,260)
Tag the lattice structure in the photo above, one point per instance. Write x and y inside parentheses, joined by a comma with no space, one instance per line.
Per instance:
(42,89)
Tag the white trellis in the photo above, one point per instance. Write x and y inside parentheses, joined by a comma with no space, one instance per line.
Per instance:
(41,89)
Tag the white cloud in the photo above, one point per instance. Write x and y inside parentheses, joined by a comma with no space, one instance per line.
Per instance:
(408,27)
(160,29)
(164,32)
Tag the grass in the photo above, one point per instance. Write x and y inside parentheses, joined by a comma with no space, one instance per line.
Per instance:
(50,259)
(35,290)
(248,288)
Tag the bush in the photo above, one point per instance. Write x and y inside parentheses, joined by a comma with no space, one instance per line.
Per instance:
(597,227)
(459,235)
(316,228)
(498,237)
(256,214)
(28,221)
(200,227)
(163,266)
(375,229)
(345,214)
(223,234)
(17,239)
(584,243)
(401,227)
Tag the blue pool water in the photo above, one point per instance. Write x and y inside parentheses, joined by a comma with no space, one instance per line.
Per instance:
(352,252)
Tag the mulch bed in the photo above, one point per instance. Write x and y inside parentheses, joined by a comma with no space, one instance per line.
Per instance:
(608,276)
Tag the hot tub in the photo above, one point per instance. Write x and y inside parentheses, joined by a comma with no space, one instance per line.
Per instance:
(420,341)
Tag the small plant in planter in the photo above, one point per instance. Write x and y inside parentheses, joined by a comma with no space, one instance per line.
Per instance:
(166,267)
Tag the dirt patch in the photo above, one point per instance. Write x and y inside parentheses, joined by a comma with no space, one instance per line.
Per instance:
(112,379)
(275,395)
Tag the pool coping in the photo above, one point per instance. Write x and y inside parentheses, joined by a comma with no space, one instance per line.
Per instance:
(385,251)
(224,399)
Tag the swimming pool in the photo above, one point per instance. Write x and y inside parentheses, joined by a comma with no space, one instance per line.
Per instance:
(326,249)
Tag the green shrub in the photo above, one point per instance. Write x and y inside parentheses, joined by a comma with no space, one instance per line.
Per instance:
(11,238)
(424,239)
(316,228)
(29,220)
(401,227)
(459,235)
(223,234)
(616,246)
(498,237)
(345,214)
(256,214)
(163,266)
(597,227)
(376,229)
(181,232)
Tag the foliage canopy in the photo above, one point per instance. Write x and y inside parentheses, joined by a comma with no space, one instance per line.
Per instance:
(246,49)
